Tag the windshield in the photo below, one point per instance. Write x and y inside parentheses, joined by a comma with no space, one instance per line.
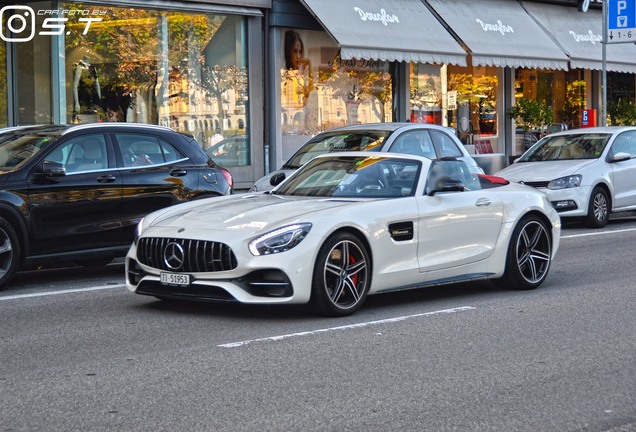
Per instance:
(567,147)
(354,177)
(336,141)
(18,148)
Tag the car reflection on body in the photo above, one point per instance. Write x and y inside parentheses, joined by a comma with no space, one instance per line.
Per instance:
(586,173)
(343,226)
(76,192)
(428,140)
(231,152)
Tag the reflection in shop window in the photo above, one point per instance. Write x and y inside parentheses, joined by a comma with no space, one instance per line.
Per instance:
(178,69)
(426,94)
(320,91)
(475,118)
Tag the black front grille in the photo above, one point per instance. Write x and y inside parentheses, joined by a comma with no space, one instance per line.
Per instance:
(184,255)
(539,184)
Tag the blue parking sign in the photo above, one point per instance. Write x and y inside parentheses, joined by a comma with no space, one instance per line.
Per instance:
(621,14)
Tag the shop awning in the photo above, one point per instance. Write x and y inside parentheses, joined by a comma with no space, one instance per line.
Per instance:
(580,35)
(389,30)
(500,33)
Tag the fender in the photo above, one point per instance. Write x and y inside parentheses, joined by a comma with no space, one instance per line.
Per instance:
(10,212)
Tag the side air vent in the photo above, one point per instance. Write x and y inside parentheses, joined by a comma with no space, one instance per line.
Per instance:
(401,231)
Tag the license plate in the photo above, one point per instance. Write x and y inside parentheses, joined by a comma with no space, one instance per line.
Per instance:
(178,279)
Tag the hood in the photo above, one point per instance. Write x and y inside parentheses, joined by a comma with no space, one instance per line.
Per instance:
(247,214)
(543,171)
(263,184)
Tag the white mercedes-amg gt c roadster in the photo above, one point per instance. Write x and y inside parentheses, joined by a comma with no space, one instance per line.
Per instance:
(344,226)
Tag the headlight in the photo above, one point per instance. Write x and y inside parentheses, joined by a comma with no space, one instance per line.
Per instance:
(565,182)
(280,240)
(139,229)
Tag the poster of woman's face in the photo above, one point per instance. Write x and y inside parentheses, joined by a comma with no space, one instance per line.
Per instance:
(294,51)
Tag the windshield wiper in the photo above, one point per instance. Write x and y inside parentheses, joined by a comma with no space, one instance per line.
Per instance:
(287,166)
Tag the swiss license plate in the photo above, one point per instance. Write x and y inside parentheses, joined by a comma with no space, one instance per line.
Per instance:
(178,279)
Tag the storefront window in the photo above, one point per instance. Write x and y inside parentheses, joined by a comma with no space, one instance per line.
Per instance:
(320,91)
(476,117)
(178,69)
(426,94)
(32,70)
(559,93)
(621,106)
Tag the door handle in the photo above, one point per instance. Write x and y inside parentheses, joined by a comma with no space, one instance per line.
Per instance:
(106,179)
(178,172)
(482,202)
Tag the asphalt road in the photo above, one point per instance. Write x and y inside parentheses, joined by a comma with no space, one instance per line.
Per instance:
(78,352)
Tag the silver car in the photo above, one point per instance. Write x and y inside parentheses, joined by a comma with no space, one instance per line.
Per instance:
(431,141)
(585,173)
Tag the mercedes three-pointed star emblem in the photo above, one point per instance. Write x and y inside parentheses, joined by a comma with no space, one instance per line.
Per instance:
(173,255)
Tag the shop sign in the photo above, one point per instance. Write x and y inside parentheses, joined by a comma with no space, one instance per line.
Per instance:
(497,27)
(382,16)
(452,100)
(587,37)
(359,64)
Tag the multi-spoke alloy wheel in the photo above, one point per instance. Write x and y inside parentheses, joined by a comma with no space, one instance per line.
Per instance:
(533,252)
(341,276)
(9,252)
(598,210)
(529,255)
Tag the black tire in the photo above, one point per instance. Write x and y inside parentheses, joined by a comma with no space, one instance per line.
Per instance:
(342,276)
(529,255)
(598,209)
(10,253)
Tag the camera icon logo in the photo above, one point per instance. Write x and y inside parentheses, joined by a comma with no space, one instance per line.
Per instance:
(20,23)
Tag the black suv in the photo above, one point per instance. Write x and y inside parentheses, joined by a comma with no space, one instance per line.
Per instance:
(75,193)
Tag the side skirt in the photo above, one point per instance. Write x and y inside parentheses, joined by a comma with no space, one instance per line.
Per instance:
(445,281)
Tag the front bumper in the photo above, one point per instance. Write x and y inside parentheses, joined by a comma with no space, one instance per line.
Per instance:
(270,279)
(571,202)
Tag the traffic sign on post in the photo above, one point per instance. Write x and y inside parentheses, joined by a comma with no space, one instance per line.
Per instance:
(621,21)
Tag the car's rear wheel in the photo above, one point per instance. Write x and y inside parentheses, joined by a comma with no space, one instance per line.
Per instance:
(342,276)
(9,253)
(529,255)
(598,209)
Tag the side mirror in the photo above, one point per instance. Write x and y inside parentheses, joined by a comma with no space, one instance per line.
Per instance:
(620,157)
(447,184)
(277,179)
(52,169)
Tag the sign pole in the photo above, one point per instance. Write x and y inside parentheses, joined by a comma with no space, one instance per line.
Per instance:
(604,72)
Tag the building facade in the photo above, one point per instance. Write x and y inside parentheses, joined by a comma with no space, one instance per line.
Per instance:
(254,79)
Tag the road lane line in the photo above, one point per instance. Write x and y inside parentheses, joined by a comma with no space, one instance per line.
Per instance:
(345,327)
(68,291)
(598,233)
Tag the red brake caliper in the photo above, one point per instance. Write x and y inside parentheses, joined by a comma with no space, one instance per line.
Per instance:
(354,278)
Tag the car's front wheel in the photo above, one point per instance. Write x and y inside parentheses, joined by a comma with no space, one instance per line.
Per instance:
(9,253)
(598,209)
(342,276)
(529,255)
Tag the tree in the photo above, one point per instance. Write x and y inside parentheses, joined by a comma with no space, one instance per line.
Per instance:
(623,112)
(531,114)
(574,103)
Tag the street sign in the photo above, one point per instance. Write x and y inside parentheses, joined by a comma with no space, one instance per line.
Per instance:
(621,21)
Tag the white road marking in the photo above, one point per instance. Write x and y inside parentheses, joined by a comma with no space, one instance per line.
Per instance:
(345,327)
(596,233)
(68,291)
